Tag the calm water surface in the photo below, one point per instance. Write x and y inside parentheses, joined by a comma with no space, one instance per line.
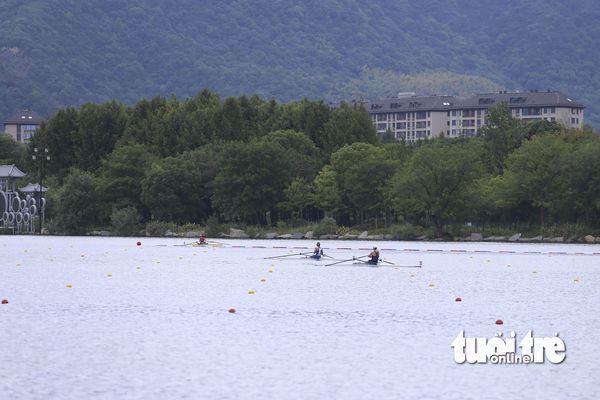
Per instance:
(152,321)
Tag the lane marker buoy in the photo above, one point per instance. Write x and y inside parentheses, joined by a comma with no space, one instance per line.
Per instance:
(4,301)
(232,310)
(250,291)
(69,286)
(499,322)
(139,243)
(458,299)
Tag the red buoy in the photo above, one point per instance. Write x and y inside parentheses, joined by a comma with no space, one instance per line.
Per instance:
(4,301)
(232,310)
(499,322)
(458,299)
(139,243)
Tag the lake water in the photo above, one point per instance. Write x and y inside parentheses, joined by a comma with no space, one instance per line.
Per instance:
(103,318)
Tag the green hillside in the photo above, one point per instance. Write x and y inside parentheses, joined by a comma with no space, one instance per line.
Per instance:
(55,53)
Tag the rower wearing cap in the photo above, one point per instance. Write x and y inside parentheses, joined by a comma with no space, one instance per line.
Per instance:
(374,256)
(317,252)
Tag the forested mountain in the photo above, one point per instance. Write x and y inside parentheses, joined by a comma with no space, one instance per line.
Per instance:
(56,53)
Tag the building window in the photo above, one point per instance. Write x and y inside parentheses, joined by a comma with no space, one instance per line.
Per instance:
(453,122)
(454,113)
(421,115)
(400,125)
(552,110)
(381,127)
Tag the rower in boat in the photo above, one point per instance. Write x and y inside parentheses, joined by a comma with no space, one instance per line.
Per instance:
(374,256)
(202,239)
(317,252)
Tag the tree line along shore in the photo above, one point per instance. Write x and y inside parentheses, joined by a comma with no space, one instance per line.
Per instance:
(255,164)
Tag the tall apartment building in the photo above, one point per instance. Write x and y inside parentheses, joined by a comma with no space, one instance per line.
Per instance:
(22,126)
(412,117)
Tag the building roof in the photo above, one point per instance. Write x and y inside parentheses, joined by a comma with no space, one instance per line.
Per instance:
(33,188)
(411,103)
(479,101)
(25,117)
(10,171)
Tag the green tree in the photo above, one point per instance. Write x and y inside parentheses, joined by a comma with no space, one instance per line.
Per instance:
(120,178)
(362,172)
(327,195)
(98,129)
(179,189)
(438,182)
(347,125)
(502,134)
(58,135)
(251,180)
(77,206)
(533,174)
(11,152)
(298,196)
(301,152)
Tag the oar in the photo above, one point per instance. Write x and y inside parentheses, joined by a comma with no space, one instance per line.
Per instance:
(382,260)
(351,259)
(289,255)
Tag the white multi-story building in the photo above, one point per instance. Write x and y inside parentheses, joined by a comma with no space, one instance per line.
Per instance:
(412,117)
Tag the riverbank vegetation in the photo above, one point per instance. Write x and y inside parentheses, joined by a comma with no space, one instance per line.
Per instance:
(249,162)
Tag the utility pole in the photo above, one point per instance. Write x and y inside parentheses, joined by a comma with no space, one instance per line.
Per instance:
(41,160)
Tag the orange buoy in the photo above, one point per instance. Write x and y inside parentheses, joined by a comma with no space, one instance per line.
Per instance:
(499,322)
(4,301)
(458,299)
(232,310)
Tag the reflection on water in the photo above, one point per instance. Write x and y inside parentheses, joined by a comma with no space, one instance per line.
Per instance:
(152,321)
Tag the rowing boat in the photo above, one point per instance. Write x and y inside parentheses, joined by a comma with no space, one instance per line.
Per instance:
(379,265)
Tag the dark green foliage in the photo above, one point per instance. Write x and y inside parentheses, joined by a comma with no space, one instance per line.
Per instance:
(438,183)
(347,125)
(125,221)
(77,203)
(300,150)
(12,152)
(120,178)
(251,180)
(179,189)
(175,161)
(69,52)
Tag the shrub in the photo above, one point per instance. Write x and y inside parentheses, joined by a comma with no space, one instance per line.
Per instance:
(327,226)
(157,228)
(404,232)
(125,221)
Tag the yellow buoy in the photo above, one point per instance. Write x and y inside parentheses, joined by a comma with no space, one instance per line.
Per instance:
(263,280)
(431,285)
(576,280)
(69,286)
(109,275)
(250,291)
(270,270)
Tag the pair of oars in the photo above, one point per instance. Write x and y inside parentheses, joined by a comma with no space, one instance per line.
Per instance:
(356,259)
(296,254)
